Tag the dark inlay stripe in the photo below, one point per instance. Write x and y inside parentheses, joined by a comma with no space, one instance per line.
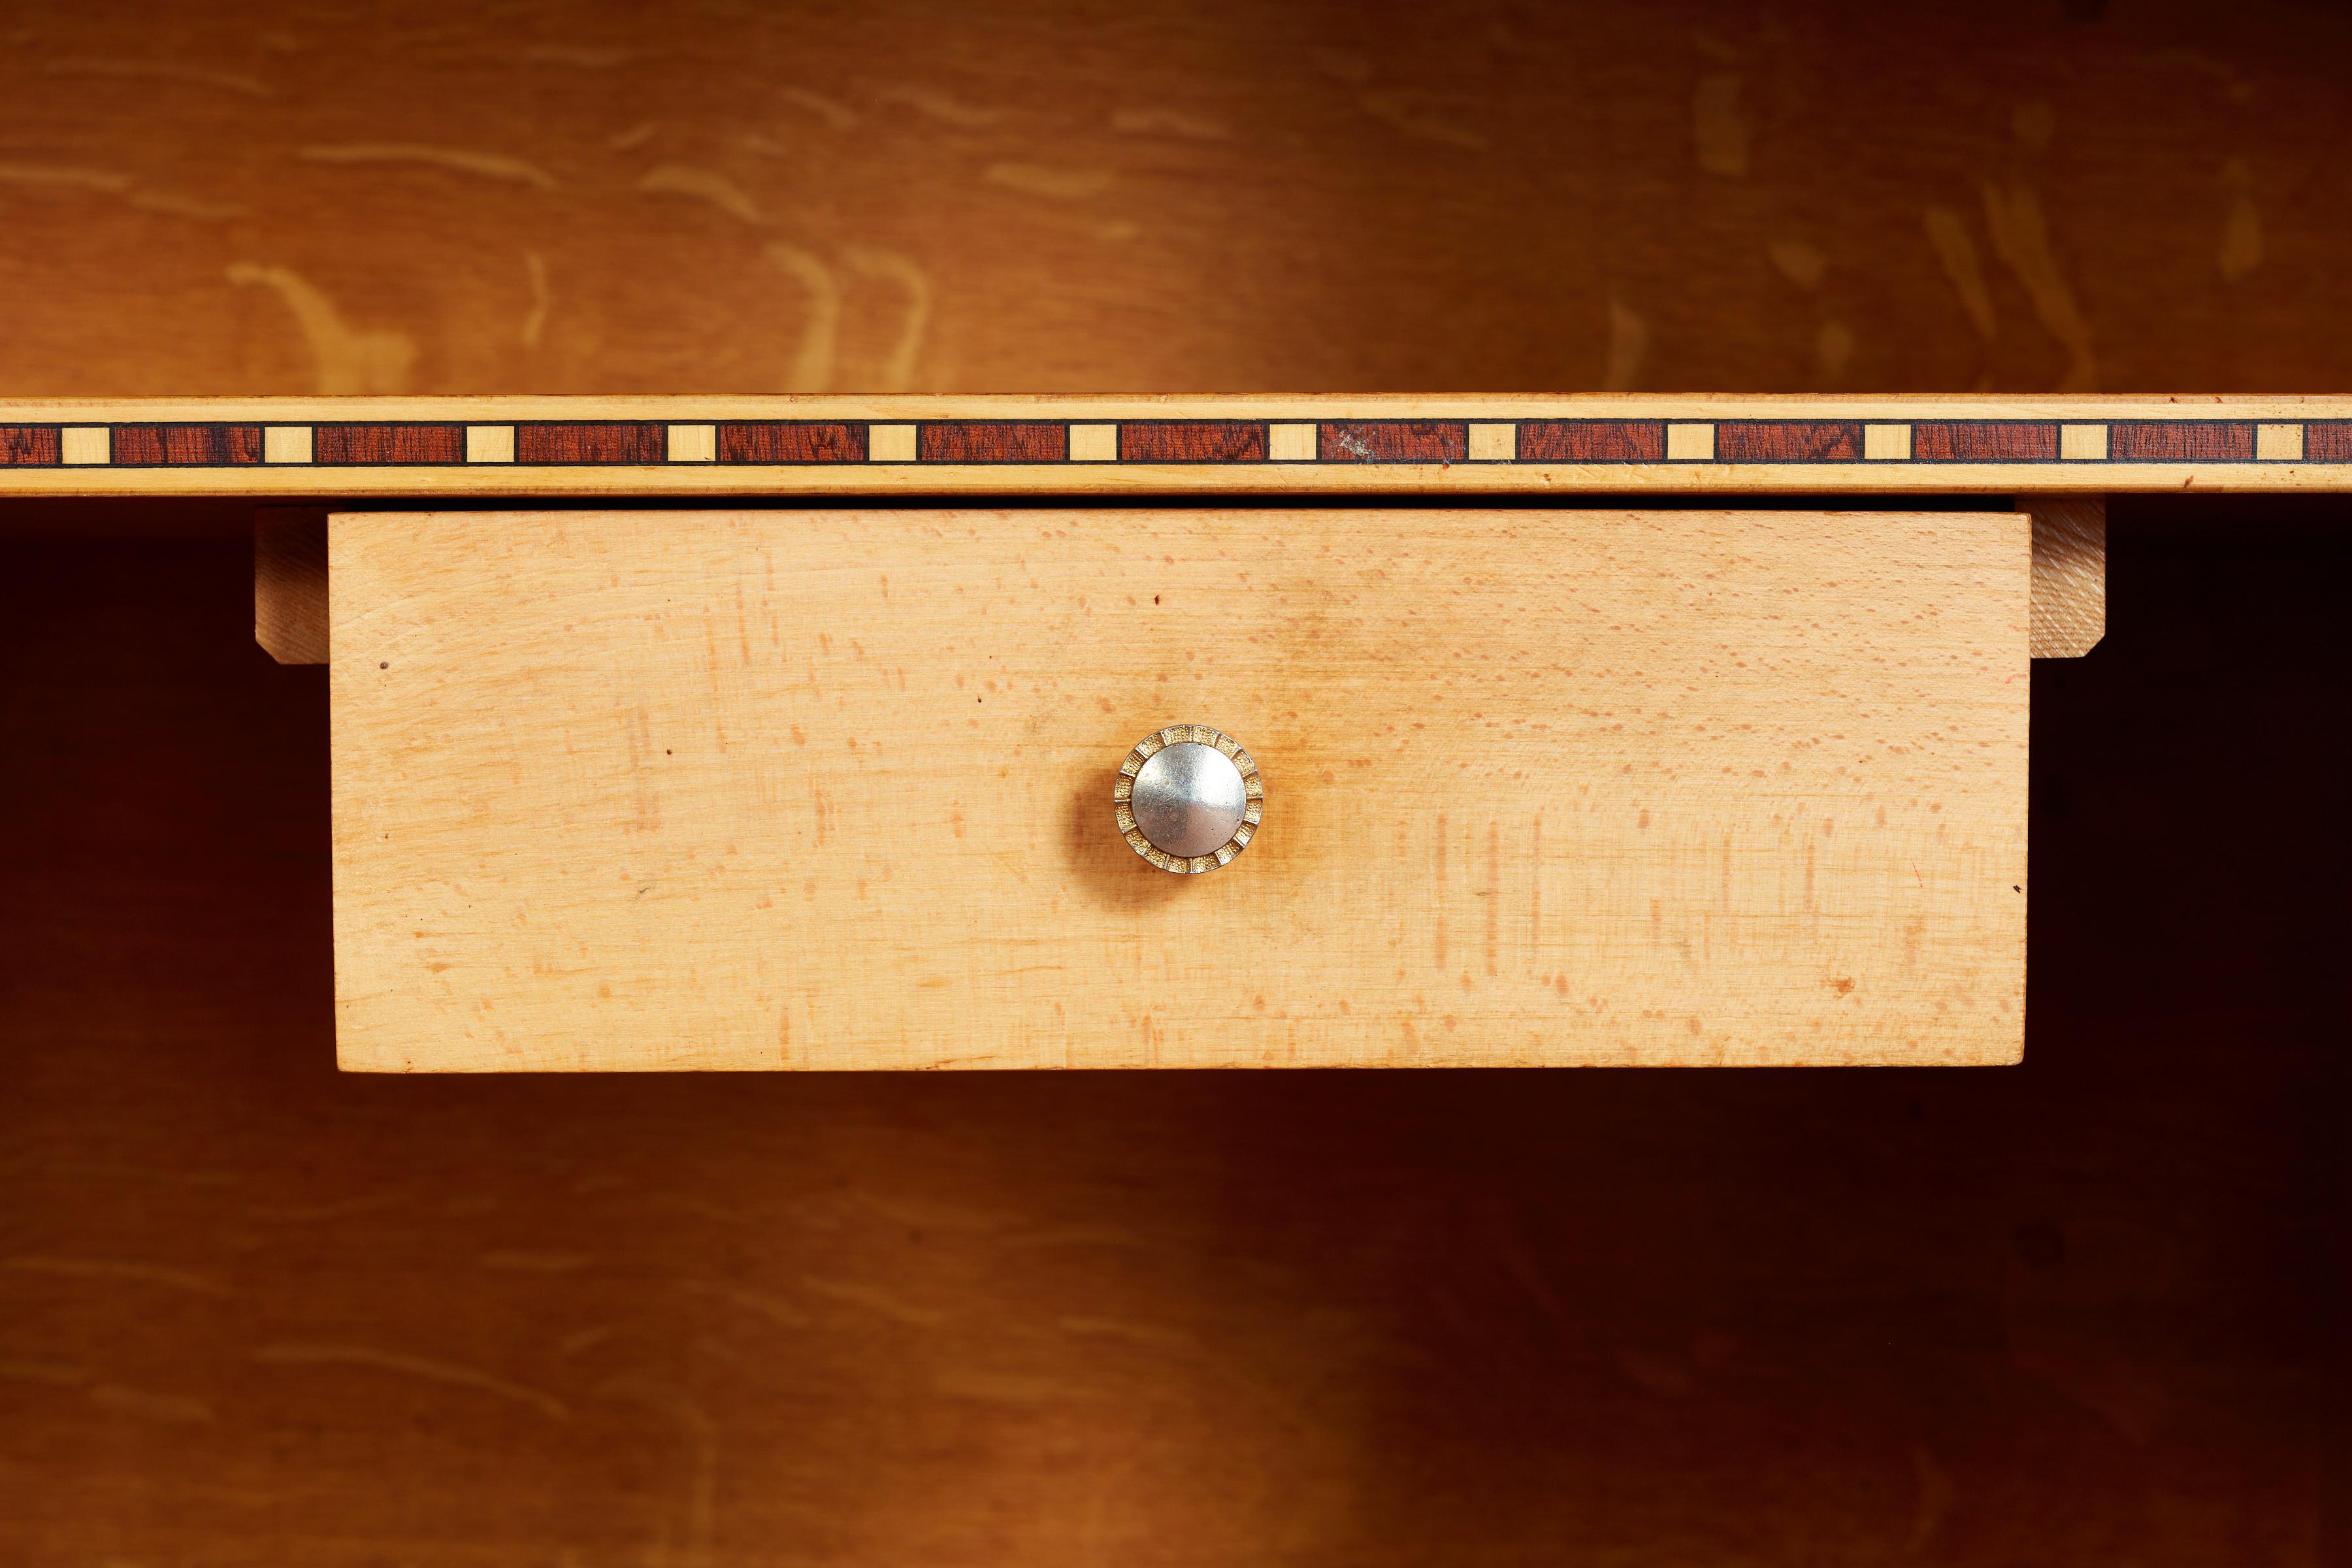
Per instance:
(2327,441)
(1592,440)
(2180,441)
(1392,441)
(992,441)
(792,441)
(1192,441)
(1985,441)
(597,443)
(28,446)
(1787,441)
(187,445)
(372,443)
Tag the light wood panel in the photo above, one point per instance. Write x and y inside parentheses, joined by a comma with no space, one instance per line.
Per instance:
(833,789)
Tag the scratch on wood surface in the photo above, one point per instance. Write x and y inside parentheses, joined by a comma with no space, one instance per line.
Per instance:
(2242,224)
(1168,122)
(1629,345)
(1011,1388)
(103,180)
(195,207)
(875,1300)
(704,185)
(346,1208)
(1053,183)
(2021,238)
(1800,263)
(578,56)
(897,372)
(1936,1495)
(1947,236)
(350,362)
(159,71)
(128,1271)
(586,1339)
(635,137)
(1718,132)
(537,1262)
(57,1373)
(812,362)
(839,116)
(1154,1334)
(534,320)
(171,1408)
(459,160)
(427,1368)
(935,105)
(1404,113)
(702,1475)
(782,1314)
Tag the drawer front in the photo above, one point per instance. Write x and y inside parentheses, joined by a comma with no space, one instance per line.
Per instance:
(833,789)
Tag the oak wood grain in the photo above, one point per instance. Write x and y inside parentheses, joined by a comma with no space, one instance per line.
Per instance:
(828,789)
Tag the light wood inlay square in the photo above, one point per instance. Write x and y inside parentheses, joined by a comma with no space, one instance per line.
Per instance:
(2083,442)
(2278,443)
(890,443)
(1094,443)
(1494,443)
(694,443)
(1886,443)
(1290,443)
(286,444)
(490,444)
(86,444)
(1690,443)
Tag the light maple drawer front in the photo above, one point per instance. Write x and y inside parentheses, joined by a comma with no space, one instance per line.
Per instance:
(833,789)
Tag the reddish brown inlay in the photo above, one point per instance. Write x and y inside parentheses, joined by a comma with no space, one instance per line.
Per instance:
(992,441)
(590,443)
(28,446)
(1392,441)
(2181,441)
(1985,441)
(2327,441)
(792,441)
(369,444)
(1592,440)
(187,445)
(1787,441)
(1192,441)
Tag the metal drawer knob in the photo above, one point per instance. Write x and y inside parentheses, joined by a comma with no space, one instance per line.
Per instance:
(1188,798)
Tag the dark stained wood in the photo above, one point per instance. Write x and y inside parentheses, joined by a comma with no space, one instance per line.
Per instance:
(1984,440)
(1788,440)
(1392,441)
(388,444)
(28,446)
(792,441)
(1191,441)
(992,441)
(595,443)
(2177,440)
(191,446)
(1592,441)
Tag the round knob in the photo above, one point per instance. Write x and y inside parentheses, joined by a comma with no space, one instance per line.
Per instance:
(1188,798)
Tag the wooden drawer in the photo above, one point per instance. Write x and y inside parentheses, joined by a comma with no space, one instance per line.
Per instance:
(834,788)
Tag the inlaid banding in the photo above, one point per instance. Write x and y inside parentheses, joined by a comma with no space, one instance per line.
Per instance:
(1985,441)
(1393,440)
(1192,441)
(992,441)
(2180,441)
(2327,441)
(187,445)
(1592,441)
(29,447)
(601,442)
(1787,441)
(387,444)
(792,441)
